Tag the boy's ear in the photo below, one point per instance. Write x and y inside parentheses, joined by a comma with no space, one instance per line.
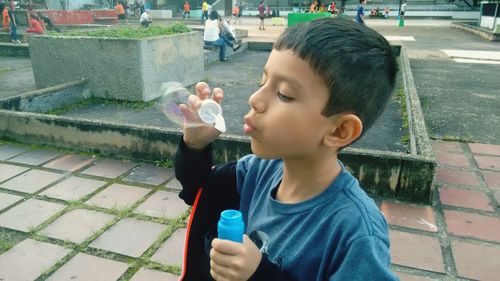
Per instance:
(346,128)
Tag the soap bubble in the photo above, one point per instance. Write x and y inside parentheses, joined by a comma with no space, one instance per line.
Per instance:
(210,112)
(174,95)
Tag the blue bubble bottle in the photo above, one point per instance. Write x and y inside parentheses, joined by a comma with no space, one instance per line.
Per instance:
(231,226)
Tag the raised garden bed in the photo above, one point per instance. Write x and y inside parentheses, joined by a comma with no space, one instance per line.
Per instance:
(125,64)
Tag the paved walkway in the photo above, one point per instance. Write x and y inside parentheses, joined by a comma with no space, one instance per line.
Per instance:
(82,217)
(71,216)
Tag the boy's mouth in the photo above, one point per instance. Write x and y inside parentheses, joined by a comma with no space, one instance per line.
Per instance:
(248,126)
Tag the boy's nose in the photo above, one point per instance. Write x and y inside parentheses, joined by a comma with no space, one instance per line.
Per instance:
(256,101)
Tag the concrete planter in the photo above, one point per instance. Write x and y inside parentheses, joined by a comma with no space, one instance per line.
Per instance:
(124,69)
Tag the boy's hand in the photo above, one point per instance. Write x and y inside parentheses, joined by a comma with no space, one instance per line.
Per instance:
(232,261)
(197,134)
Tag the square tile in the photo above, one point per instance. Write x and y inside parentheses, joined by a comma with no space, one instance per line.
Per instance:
(448,146)
(73,188)
(145,274)
(77,225)
(473,199)
(407,215)
(118,196)
(150,174)
(417,251)
(9,171)
(488,162)
(8,199)
(452,159)
(174,184)
(35,157)
(457,177)
(473,225)
(87,267)
(410,277)
(29,214)
(109,168)
(130,237)
(70,162)
(479,262)
(31,181)
(479,148)
(492,179)
(29,259)
(171,252)
(8,151)
(163,204)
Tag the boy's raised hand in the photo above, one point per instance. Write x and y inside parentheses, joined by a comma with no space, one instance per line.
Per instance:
(197,135)
(232,261)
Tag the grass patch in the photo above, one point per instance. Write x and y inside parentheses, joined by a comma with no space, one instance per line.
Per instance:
(132,32)
(400,97)
(9,238)
(5,69)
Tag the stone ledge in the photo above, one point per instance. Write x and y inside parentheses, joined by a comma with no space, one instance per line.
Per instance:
(482,32)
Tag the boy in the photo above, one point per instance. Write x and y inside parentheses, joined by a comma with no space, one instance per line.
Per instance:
(145,19)
(325,83)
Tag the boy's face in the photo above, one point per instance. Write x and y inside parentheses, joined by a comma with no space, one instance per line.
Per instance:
(285,119)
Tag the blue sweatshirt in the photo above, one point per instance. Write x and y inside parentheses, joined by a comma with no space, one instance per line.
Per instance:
(338,235)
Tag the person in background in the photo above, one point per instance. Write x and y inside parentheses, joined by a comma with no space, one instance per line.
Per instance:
(47,22)
(262,15)
(146,19)
(30,8)
(235,12)
(240,13)
(12,25)
(332,7)
(360,12)
(187,10)
(213,36)
(204,11)
(386,12)
(120,10)
(5,17)
(36,25)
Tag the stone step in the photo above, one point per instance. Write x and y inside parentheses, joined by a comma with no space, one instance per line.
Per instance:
(14,50)
(5,37)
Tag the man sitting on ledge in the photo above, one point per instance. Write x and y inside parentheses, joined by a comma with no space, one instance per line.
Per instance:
(146,18)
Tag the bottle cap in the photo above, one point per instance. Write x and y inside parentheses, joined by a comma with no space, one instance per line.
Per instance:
(210,112)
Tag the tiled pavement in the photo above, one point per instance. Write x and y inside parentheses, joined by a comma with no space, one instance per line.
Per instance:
(67,216)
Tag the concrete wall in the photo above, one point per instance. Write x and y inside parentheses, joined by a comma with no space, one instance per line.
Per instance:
(118,68)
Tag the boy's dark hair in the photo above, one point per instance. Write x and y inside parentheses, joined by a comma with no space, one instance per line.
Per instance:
(356,63)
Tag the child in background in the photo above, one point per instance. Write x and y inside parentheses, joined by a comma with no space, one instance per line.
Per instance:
(306,217)
(36,25)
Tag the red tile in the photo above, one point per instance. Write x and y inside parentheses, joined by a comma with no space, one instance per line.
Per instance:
(473,199)
(452,159)
(479,262)
(492,178)
(407,215)
(456,177)
(488,162)
(473,225)
(417,251)
(479,148)
(450,146)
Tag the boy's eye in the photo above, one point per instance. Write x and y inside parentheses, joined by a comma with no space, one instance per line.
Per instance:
(283,97)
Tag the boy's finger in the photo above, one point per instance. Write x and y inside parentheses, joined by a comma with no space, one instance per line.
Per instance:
(221,258)
(218,95)
(202,90)
(227,247)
